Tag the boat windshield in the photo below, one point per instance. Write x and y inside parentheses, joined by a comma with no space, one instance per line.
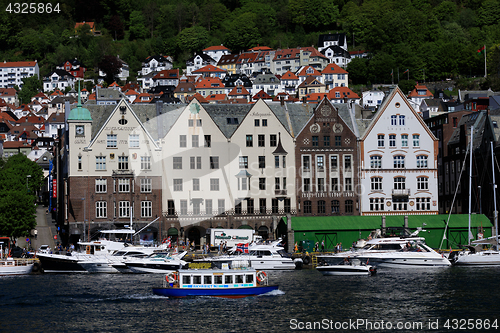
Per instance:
(284,254)
(382,247)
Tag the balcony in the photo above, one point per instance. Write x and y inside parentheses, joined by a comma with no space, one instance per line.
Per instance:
(123,173)
(280,193)
(401,193)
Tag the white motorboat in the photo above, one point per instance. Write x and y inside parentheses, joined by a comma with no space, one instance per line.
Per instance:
(96,255)
(158,262)
(474,255)
(347,267)
(375,245)
(115,263)
(11,266)
(259,256)
(414,254)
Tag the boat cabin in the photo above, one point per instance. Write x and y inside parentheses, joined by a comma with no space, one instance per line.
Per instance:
(215,278)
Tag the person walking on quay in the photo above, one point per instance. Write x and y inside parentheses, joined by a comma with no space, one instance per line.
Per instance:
(323,245)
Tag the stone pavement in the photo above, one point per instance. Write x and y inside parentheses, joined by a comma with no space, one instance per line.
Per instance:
(46,230)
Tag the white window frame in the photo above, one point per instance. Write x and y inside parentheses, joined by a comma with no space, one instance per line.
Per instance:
(123,185)
(111,140)
(101,209)
(100,162)
(146,185)
(124,209)
(214,184)
(146,208)
(133,141)
(145,162)
(101,185)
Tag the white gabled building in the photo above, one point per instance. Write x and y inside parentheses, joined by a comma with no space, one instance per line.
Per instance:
(196,171)
(267,158)
(398,162)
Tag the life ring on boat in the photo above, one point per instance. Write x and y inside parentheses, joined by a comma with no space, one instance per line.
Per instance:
(261,276)
(171,277)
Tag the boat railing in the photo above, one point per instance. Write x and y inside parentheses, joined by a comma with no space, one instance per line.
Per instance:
(17,261)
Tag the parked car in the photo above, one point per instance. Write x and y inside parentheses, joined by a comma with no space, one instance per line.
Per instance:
(44,249)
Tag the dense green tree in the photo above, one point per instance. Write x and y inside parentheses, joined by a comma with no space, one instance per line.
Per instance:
(193,39)
(358,69)
(31,86)
(243,33)
(20,180)
(313,12)
(214,14)
(137,26)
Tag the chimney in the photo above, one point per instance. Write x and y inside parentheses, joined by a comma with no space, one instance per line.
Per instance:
(282,100)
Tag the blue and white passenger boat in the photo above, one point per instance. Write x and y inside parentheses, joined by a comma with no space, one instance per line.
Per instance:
(227,283)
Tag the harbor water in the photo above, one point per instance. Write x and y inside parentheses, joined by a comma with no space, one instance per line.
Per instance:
(416,300)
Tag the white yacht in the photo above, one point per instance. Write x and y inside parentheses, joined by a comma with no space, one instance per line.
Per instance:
(111,263)
(95,255)
(475,256)
(393,252)
(158,262)
(413,253)
(260,256)
(347,267)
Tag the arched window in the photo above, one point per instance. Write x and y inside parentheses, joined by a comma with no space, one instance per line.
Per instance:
(399,162)
(376,162)
(376,183)
(307,207)
(348,206)
(422,161)
(321,206)
(335,206)
(422,183)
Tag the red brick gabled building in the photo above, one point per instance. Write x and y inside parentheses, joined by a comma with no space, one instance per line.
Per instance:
(326,160)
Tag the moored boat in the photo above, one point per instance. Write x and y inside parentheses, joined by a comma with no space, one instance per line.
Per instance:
(415,254)
(347,267)
(11,266)
(227,283)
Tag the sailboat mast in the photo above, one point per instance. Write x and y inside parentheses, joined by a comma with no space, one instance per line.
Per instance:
(470,182)
(495,213)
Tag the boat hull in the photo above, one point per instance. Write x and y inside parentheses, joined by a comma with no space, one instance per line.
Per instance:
(16,270)
(153,267)
(98,267)
(345,270)
(391,262)
(478,259)
(54,263)
(214,292)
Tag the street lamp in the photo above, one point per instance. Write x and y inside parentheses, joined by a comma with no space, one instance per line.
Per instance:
(27,188)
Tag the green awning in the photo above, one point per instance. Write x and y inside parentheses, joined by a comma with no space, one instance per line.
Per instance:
(172,232)
(305,223)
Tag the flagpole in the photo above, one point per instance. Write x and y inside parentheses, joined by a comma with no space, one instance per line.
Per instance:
(485,73)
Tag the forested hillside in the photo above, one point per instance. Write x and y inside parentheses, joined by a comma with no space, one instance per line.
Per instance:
(438,38)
